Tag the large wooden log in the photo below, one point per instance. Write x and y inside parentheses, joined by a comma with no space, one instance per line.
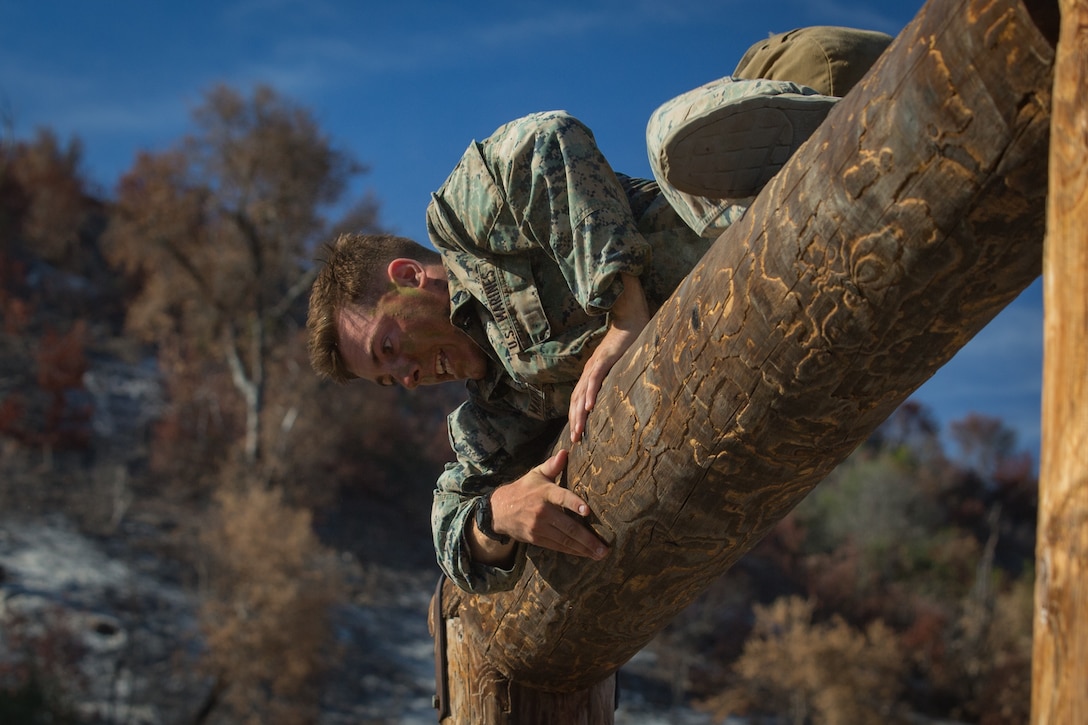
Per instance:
(911,218)
(1060,658)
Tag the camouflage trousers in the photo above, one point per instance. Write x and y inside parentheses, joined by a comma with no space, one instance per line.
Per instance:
(815,61)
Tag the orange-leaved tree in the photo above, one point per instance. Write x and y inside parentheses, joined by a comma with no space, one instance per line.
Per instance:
(220,231)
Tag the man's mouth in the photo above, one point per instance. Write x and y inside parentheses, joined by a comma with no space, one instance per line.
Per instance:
(442,365)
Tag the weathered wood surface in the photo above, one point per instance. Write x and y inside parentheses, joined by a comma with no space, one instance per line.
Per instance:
(1060,658)
(909,220)
(481,695)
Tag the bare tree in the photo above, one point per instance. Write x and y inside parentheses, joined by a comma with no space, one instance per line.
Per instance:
(220,229)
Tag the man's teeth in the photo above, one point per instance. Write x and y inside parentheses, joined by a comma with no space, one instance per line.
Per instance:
(442,368)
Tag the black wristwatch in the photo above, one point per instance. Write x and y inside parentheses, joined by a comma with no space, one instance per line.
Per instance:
(483,520)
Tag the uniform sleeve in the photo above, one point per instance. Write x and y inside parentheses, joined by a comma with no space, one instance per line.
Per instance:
(541,183)
(487,441)
(563,194)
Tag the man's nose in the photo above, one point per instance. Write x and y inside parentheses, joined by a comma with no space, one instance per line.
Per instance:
(408,373)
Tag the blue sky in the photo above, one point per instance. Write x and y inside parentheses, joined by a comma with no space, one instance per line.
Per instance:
(405,86)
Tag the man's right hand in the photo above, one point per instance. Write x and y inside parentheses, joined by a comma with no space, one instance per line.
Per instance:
(628,316)
(534,509)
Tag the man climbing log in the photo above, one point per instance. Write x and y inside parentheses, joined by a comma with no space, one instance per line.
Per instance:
(549,267)
(911,216)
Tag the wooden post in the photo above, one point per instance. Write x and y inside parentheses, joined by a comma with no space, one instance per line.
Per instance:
(480,695)
(1060,658)
(910,219)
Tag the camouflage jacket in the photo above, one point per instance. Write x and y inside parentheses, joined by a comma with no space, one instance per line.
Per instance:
(535,229)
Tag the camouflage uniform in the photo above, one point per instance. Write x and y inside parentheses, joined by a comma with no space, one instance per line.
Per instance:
(535,228)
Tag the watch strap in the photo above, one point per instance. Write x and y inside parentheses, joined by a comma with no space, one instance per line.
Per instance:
(484,520)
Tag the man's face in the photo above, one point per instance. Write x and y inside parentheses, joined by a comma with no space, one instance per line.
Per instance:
(408,339)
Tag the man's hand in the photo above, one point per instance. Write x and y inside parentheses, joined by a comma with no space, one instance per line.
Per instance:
(627,317)
(535,510)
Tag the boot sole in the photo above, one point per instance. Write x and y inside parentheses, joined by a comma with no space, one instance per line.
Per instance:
(733,151)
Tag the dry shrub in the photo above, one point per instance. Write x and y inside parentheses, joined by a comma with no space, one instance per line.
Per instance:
(200,426)
(266,616)
(804,671)
(1009,642)
(987,667)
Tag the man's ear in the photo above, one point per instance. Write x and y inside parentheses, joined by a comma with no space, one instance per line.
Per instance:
(405,272)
